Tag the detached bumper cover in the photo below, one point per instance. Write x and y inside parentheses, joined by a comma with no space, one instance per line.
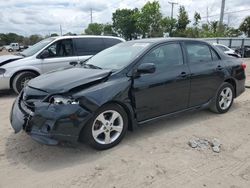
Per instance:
(49,123)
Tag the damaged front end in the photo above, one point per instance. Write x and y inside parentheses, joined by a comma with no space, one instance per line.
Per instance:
(48,118)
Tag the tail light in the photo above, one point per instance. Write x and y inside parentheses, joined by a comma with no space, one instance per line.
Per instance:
(244,66)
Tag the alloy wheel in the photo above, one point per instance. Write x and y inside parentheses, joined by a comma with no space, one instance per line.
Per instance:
(226,97)
(107,127)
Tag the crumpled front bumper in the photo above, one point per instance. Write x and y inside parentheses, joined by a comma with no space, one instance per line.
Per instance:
(48,123)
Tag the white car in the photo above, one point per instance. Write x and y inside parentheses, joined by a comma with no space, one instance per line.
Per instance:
(49,54)
(227,50)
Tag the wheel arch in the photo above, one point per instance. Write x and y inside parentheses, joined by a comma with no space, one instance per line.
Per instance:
(233,83)
(129,111)
(18,72)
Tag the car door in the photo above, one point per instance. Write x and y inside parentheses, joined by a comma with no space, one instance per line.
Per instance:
(206,72)
(60,55)
(87,47)
(167,89)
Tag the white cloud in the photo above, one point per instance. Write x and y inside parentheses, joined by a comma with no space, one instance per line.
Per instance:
(44,17)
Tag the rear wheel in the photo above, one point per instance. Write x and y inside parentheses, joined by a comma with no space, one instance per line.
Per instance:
(107,128)
(223,99)
(21,80)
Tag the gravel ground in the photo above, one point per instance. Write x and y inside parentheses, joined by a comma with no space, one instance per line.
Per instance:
(156,155)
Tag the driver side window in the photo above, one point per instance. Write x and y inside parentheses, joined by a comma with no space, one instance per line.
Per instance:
(61,48)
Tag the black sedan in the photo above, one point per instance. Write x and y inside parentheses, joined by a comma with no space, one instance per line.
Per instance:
(125,86)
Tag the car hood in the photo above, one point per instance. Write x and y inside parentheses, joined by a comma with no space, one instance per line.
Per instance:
(65,80)
(5,59)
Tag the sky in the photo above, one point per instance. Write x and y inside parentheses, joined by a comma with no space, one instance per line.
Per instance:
(44,17)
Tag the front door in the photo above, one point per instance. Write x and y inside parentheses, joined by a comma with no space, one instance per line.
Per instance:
(167,89)
(61,54)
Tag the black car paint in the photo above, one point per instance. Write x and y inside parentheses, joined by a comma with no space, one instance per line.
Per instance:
(175,91)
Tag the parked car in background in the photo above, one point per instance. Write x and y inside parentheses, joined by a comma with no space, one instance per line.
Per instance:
(49,54)
(245,49)
(127,85)
(227,50)
(13,47)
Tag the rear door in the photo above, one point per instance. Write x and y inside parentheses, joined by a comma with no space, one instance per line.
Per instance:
(87,47)
(206,72)
(167,89)
(61,54)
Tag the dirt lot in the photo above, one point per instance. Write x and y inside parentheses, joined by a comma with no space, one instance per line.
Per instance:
(156,155)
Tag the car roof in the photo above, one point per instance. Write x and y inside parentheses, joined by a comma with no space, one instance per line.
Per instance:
(171,39)
(88,36)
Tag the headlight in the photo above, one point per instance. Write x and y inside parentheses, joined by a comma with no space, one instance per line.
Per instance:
(2,71)
(62,100)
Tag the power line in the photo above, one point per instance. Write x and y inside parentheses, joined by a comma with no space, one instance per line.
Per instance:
(232,12)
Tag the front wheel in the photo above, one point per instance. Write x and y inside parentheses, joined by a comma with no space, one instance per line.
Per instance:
(21,80)
(107,128)
(223,99)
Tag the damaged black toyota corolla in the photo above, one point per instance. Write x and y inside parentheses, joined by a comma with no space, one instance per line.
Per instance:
(127,85)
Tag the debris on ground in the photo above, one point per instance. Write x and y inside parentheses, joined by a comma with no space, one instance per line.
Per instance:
(204,143)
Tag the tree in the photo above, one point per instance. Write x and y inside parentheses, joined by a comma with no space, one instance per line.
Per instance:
(183,19)
(245,26)
(124,23)
(108,30)
(34,39)
(149,20)
(168,25)
(197,18)
(54,35)
(94,29)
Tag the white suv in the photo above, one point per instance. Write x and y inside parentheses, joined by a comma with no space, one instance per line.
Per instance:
(49,54)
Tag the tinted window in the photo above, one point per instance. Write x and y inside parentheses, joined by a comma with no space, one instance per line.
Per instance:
(111,42)
(165,55)
(89,46)
(61,48)
(198,52)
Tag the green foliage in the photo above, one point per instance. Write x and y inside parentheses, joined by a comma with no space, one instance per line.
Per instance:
(54,35)
(124,22)
(108,30)
(6,39)
(245,26)
(149,20)
(94,29)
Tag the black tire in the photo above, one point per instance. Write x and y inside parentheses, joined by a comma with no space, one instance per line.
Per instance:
(18,80)
(87,136)
(215,105)
(10,50)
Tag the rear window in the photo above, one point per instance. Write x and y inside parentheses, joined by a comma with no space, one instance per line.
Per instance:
(89,46)
(111,42)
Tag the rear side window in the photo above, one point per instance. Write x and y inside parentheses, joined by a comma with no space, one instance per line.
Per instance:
(198,52)
(89,46)
(111,42)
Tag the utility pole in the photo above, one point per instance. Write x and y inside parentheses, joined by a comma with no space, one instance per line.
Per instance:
(172,7)
(221,15)
(61,29)
(91,15)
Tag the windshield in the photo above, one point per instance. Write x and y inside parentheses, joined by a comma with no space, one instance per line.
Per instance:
(36,47)
(118,56)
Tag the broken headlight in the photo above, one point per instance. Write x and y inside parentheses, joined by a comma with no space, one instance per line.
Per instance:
(57,99)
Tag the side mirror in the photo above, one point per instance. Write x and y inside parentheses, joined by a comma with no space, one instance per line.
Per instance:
(146,68)
(44,54)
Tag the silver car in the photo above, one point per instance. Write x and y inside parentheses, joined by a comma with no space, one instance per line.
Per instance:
(49,54)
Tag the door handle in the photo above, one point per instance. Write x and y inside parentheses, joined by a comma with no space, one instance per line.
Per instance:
(74,63)
(183,75)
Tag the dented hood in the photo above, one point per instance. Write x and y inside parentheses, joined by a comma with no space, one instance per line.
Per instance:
(8,58)
(65,80)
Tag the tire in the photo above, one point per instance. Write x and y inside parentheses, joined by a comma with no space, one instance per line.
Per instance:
(21,79)
(10,50)
(95,133)
(223,99)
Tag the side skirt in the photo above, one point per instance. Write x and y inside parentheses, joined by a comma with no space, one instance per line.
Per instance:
(195,108)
